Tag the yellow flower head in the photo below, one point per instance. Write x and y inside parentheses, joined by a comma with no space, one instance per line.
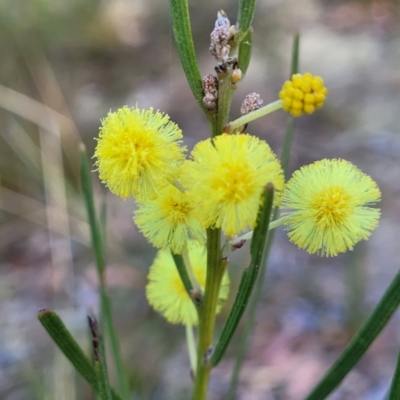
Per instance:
(226,178)
(166,293)
(137,150)
(328,204)
(303,94)
(168,219)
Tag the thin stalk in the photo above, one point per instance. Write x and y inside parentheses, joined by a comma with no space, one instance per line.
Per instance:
(191,343)
(215,271)
(99,252)
(379,318)
(261,112)
(355,285)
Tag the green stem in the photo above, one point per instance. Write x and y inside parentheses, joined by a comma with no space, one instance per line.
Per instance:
(98,248)
(361,342)
(225,94)
(215,271)
(261,112)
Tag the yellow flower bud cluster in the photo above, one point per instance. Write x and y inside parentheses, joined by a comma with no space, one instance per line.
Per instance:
(303,94)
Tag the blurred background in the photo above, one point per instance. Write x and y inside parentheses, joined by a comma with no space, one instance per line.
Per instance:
(64,65)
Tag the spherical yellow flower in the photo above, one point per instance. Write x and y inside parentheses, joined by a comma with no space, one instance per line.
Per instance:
(328,204)
(303,94)
(166,293)
(137,150)
(227,176)
(168,220)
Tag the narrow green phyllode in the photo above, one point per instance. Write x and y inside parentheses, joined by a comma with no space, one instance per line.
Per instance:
(61,336)
(379,318)
(249,275)
(394,393)
(184,41)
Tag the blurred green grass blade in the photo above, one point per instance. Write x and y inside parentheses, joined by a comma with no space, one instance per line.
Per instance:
(70,348)
(98,248)
(95,230)
(245,49)
(394,393)
(184,42)
(100,362)
(287,142)
(380,316)
(294,69)
(249,275)
(287,146)
(244,18)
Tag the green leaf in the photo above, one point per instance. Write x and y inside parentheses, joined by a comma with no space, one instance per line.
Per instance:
(184,42)
(249,275)
(361,342)
(244,18)
(245,49)
(394,393)
(180,266)
(71,349)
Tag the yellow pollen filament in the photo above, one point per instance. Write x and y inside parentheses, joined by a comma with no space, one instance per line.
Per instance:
(332,207)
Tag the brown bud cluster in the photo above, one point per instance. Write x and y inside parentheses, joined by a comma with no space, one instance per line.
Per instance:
(210,90)
(220,37)
(251,102)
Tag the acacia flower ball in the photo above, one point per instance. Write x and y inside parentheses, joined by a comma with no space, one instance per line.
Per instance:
(137,150)
(227,176)
(328,206)
(303,94)
(166,293)
(168,220)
